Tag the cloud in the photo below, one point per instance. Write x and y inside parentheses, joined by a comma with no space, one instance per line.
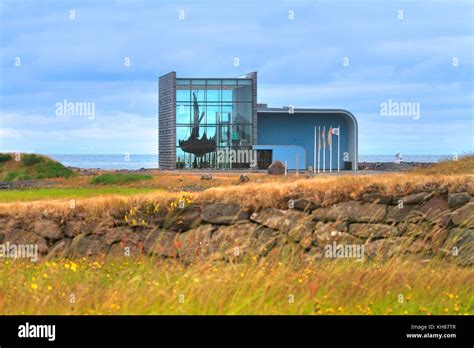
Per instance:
(299,62)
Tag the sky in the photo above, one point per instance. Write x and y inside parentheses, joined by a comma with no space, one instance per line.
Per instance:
(354,55)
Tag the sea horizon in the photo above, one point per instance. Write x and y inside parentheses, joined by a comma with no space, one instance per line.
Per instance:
(148,161)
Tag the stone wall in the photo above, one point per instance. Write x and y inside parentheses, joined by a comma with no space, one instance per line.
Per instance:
(425,225)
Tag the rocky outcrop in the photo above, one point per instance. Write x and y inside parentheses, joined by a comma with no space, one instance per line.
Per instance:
(422,224)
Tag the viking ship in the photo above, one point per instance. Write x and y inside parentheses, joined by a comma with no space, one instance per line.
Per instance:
(194,144)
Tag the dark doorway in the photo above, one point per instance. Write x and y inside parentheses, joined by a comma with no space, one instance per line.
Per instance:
(264,158)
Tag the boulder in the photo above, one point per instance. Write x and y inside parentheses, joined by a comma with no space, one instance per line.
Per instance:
(125,249)
(243,179)
(419,247)
(327,233)
(269,245)
(23,237)
(206,177)
(372,231)
(184,221)
(276,168)
(415,198)
(161,243)
(456,200)
(396,214)
(88,245)
(436,238)
(436,210)
(235,239)
(459,246)
(102,227)
(73,228)
(383,249)
(377,198)
(305,205)
(121,234)
(282,220)
(263,234)
(60,248)
(226,214)
(8,225)
(195,243)
(352,211)
(464,216)
(414,230)
(47,229)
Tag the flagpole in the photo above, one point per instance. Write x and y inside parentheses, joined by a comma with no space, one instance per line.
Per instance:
(324,150)
(338,145)
(314,159)
(319,148)
(330,149)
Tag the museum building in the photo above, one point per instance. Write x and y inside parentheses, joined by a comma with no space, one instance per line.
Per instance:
(217,123)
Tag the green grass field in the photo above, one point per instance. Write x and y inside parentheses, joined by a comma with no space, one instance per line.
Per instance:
(149,286)
(119,178)
(7,196)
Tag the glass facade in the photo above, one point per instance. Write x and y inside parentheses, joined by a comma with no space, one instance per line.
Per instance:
(212,116)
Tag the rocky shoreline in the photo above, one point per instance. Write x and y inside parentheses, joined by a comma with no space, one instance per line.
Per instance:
(392,166)
(425,224)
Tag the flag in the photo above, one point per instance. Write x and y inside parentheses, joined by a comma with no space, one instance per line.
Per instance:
(330,147)
(335,131)
(319,139)
(324,139)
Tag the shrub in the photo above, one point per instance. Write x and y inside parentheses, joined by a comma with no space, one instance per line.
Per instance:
(111,179)
(29,160)
(17,175)
(5,157)
(50,169)
(11,176)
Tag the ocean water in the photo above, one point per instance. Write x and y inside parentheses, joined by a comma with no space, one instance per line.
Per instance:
(151,161)
(406,158)
(108,161)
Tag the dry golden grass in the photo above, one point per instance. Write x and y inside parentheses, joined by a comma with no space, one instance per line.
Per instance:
(464,165)
(276,193)
(150,286)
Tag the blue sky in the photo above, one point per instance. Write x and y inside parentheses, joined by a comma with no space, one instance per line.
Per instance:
(299,61)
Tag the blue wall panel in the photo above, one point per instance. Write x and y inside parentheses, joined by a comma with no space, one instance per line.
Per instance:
(298,129)
(287,153)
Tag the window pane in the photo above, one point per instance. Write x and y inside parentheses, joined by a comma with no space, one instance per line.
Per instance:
(241,135)
(227,95)
(229,82)
(244,113)
(199,83)
(183,95)
(213,95)
(183,82)
(212,113)
(244,93)
(214,82)
(183,113)
(200,95)
(244,82)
